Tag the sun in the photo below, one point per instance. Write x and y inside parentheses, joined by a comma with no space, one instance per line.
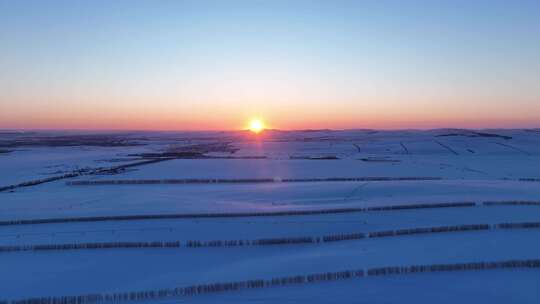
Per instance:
(256,126)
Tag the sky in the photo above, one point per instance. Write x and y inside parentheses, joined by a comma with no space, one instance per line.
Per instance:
(215,65)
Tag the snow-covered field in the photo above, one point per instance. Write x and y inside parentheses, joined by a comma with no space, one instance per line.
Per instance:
(455,166)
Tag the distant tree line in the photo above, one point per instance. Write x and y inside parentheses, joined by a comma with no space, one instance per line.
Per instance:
(274,282)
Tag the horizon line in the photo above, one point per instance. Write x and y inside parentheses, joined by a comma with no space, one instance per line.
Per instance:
(247,130)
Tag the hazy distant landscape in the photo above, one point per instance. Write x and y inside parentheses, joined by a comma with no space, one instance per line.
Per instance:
(281,216)
(269,151)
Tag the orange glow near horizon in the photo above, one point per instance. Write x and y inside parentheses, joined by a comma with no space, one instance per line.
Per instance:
(166,122)
(242,115)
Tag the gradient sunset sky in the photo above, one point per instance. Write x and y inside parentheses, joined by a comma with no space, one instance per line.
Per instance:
(185,65)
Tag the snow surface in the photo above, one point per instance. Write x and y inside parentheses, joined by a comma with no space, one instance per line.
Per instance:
(472,167)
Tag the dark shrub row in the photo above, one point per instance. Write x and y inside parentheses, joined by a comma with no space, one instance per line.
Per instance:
(356,236)
(39,181)
(518,225)
(360,179)
(440,229)
(421,206)
(498,203)
(227,215)
(218,243)
(333,276)
(271,241)
(242,180)
(176,216)
(453,267)
(167,181)
(79,172)
(267,241)
(274,282)
(529,179)
(108,245)
(194,290)
(174,244)
(283,241)
(343,237)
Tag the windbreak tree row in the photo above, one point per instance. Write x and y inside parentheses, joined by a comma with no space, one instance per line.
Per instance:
(103,245)
(453,267)
(261,214)
(229,214)
(79,172)
(510,203)
(273,241)
(219,287)
(246,180)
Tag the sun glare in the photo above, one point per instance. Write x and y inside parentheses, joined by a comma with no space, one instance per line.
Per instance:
(256,126)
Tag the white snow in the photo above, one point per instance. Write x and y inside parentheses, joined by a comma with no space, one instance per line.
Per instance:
(472,169)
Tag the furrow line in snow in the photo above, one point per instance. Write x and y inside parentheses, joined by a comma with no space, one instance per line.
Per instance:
(447,147)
